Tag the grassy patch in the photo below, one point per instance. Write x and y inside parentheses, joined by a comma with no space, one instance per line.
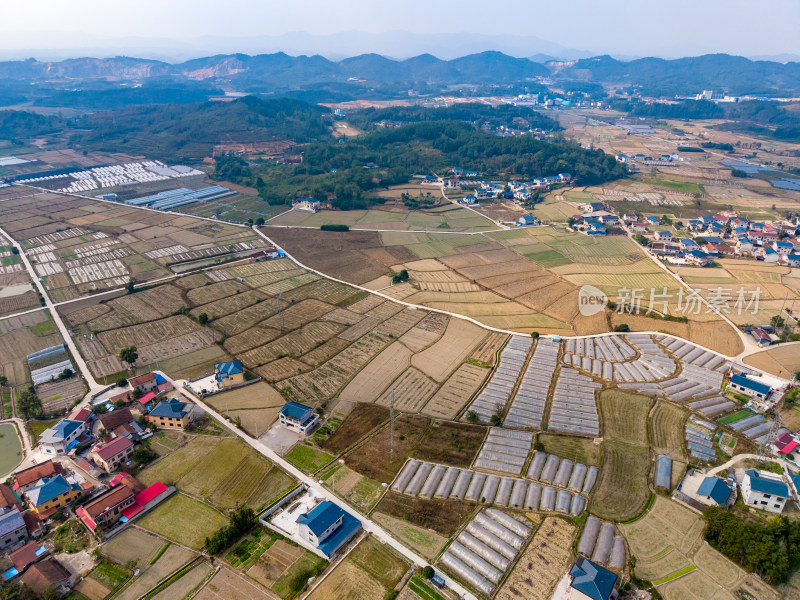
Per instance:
(308,459)
(734,417)
(423,590)
(110,574)
(674,575)
(44,328)
(184,520)
(576,449)
(292,581)
(70,537)
(548,258)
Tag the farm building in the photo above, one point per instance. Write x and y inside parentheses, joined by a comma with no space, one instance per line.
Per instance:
(298,417)
(764,490)
(664,471)
(714,490)
(61,437)
(13,532)
(327,527)
(590,581)
(785,443)
(111,455)
(755,389)
(171,414)
(229,373)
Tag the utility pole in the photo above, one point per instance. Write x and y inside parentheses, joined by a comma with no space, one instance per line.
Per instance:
(391,429)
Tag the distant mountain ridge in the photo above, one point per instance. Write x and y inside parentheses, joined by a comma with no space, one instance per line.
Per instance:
(280,72)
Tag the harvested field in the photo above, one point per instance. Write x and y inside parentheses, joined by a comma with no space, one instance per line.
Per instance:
(456,392)
(294,344)
(410,391)
(250,338)
(544,562)
(361,420)
(379,373)
(425,541)
(441,359)
(211,292)
(444,517)
(228,585)
(624,416)
(324,382)
(782,360)
(281,369)
(146,305)
(243,320)
(486,351)
(666,429)
(621,491)
(297,315)
(454,444)
(163,338)
(187,583)
(231,304)
(360,491)
(174,558)
(184,520)
(577,449)
(417,338)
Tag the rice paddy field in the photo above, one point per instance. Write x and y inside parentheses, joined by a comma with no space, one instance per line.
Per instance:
(224,472)
(669,550)
(184,519)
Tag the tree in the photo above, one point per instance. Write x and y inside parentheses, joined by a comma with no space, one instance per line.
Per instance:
(622,327)
(101,433)
(122,382)
(51,593)
(777,321)
(130,286)
(535,335)
(3,381)
(29,404)
(260,220)
(142,455)
(65,374)
(129,355)
(471,416)
(136,394)
(202,318)
(427,571)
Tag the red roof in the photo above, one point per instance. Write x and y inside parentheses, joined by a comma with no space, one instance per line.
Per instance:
(118,478)
(140,379)
(148,397)
(788,447)
(165,387)
(27,555)
(87,520)
(113,448)
(149,494)
(80,414)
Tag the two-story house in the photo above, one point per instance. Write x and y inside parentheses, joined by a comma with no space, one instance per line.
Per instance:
(298,417)
(52,494)
(105,510)
(229,373)
(763,490)
(61,437)
(27,478)
(13,532)
(144,383)
(111,455)
(327,527)
(171,414)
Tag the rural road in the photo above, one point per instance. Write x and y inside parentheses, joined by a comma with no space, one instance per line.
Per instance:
(84,368)
(368,525)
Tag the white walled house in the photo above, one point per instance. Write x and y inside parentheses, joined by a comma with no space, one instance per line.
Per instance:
(298,417)
(765,491)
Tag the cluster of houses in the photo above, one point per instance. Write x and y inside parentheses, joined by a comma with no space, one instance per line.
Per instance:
(664,160)
(49,490)
(763,490)
(518,191)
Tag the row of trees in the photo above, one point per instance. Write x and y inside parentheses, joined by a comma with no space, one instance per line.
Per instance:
(241,521)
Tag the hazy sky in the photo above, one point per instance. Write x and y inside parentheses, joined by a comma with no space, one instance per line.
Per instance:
(626,27)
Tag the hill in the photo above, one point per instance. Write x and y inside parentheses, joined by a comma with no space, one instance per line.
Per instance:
(189,131)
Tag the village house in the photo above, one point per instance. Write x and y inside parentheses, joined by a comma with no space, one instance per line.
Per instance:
(105,509)
(47,574)
(527,221)
(590,581)
(110,421)
(111,455)
(765,491)
(714,491)
(699,258)
(52,494)
(171,414)
(27,478)
(13,532)
(229,373)
(144,383)
(743,384)
(8,499)
(638,227)
(663,236)
(23,558)
(783,248)
(61,437)
(327,527)
(469,200)
(298,417)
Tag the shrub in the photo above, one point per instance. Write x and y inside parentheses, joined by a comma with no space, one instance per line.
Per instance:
(334,227)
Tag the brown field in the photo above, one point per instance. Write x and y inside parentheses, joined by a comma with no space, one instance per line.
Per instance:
(400,323)
(361,420)
(187,583)
(543,563)
(244,319)
(294,344)
(146,305)
(250,338)
(175,557)
(298,314)
(231,304)
(487,350)
(410,391)
(281,369)
(92,589)
(456,392)
(132,544)
(666,429)
(17,341)
(168,331)
(441,359)
(419,437)
(577,449)
(377,375)
(782,360)
(444,517)
(425,541)
(214,291)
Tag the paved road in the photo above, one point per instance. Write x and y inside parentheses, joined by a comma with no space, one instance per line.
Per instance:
(87,375)
(368,525)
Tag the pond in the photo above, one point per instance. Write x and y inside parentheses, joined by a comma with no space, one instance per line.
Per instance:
(10,448)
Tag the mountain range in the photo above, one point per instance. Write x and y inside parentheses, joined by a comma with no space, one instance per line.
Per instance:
(280,72)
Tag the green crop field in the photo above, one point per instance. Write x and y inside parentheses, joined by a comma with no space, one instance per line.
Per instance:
(308,459)
(184,520)
(734,417)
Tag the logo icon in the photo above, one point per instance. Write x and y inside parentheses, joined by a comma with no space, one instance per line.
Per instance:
(591,300)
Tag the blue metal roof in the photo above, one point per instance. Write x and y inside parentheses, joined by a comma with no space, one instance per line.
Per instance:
(767,485)
(756,386)
(343,533)
(11,520)
(64,428)
(170,408)
(47,489)
(717,489)
(296,410)
(228,368)
(591,579)
(321,517)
